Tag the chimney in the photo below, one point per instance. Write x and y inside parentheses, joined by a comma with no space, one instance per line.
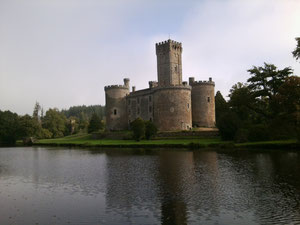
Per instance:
(133,88)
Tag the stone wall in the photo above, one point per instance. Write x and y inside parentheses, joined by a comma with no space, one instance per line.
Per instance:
(140,104)
(172,108)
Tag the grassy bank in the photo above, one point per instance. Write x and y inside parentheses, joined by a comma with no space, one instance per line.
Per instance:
(85,140)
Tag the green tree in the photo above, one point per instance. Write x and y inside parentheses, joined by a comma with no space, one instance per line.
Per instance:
(55,122)
(9,127)
(221,105)
(296,52)
(95,124)
(150,130)
(36,111)
(138,128)
(28,127)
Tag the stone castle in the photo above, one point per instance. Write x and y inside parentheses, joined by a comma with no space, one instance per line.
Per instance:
(170,103)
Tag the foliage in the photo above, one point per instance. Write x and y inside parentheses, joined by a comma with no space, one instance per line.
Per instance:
(150,130)
(85,111)
(28,127)
(138,128)
(55,122)
(95,124)
(9,126)
(36,111)
(296,52)
(221,106)
(228,125)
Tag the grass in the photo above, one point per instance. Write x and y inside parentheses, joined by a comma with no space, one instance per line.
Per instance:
(86,140)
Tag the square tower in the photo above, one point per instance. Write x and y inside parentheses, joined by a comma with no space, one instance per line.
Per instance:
(169,64)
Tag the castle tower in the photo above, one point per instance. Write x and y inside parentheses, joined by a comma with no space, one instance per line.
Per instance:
(169,64)
(203,103)
(115,100)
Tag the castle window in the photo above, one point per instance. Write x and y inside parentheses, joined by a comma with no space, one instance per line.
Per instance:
(150,109)
(188,105)
(208,99)
(115,112)
(175,68)
(150,119)
(129,111)
(150,99)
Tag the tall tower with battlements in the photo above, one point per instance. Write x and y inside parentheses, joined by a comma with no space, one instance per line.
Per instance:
(169,64)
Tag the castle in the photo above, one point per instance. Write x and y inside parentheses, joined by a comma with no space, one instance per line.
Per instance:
(169,103)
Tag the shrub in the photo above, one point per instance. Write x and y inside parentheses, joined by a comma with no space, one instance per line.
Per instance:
(138,129)
(151,130)
(258,132)
(228,125)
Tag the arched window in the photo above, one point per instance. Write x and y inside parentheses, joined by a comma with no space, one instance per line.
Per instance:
(115,112)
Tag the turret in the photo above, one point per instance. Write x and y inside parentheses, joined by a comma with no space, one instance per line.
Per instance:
(203,103)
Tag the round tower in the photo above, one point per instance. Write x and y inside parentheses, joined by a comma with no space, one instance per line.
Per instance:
(115,111)
(203,103)
(172,108)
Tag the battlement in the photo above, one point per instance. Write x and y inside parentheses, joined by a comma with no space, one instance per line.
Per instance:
(168,46)
(192,82)
(108,87)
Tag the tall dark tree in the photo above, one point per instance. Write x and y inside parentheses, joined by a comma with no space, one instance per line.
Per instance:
(28,127)
(95,124)
(9,127)
(36,111)
(296,52)
(221,105)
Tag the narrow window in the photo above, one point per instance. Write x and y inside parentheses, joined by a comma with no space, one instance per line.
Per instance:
(188,105)
(208,99)
(115,112)
(150,119)
(129,111)
(150,99)
(150,109)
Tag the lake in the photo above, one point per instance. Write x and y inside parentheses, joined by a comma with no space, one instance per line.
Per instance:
(40,185)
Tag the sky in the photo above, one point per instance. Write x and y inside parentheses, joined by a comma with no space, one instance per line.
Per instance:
(62,53)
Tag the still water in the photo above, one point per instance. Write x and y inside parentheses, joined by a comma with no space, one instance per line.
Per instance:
(77,186)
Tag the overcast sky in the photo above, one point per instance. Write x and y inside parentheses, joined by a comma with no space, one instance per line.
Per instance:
(62,53)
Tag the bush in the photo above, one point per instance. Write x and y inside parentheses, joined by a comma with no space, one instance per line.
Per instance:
(228,125)
(259,132)
(95,124)
(241,135)
(138,129)
(151,130)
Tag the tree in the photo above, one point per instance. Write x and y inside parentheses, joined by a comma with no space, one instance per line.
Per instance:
(296,52)
(36,111)
(28,127)
(221,105)
(9,127)
(264,84)
(150,130)
(138,128)
(95,124)
(55,122)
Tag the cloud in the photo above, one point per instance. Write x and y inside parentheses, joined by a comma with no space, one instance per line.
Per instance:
(63,52)
(223,39)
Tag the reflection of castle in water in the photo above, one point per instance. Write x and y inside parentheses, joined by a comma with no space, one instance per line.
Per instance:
(165,185)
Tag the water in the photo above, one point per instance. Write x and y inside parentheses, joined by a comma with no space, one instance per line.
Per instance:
(77,186)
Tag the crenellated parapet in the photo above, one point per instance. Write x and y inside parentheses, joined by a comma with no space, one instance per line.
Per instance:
(108,87)
(192,82)
(167,46)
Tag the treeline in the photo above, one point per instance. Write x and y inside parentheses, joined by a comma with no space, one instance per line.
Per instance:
(52,124)
(267,107)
